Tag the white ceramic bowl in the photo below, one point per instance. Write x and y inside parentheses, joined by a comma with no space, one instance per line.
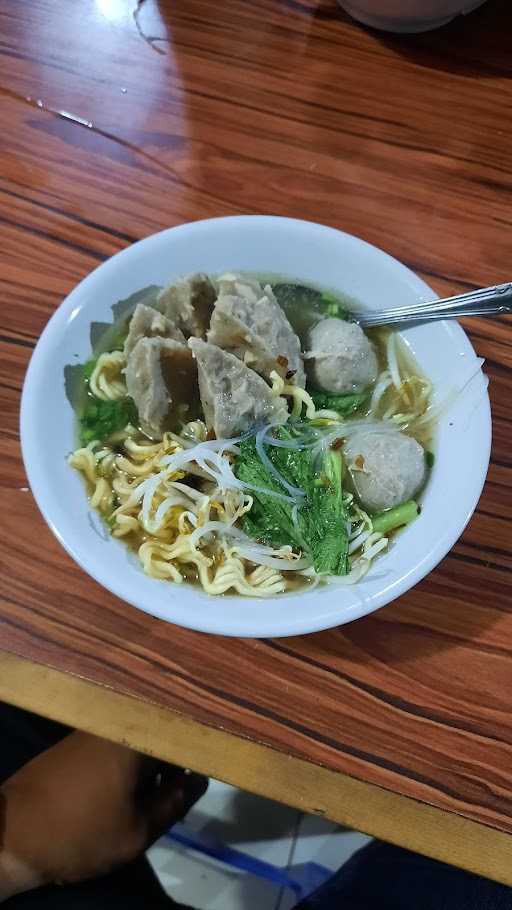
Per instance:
(306,252)
(407,15)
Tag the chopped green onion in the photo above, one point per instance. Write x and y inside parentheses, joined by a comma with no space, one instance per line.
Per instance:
(332,306)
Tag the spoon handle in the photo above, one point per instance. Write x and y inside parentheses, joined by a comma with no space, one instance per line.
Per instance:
(491,301)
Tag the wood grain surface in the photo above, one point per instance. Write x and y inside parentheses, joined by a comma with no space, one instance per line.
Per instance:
(118,119)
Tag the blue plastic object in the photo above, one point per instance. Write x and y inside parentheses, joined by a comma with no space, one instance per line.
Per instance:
(302,879)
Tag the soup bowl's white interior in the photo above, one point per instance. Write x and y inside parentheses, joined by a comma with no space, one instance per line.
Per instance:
(307,252)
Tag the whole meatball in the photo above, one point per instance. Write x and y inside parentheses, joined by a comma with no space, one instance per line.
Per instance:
(340,358)
(386,468)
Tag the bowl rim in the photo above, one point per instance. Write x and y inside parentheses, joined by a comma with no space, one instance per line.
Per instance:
(286,625)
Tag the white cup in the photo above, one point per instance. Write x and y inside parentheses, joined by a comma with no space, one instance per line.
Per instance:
(407,15)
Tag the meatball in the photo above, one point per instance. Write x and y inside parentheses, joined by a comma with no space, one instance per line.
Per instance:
(386,468)
(340,358)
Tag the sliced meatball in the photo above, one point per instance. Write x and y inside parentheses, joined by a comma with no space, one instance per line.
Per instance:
(234,397)
(387,468)
(147,322)
(258,332)
(189,304)
(239,286)
(161,377)
(340,358)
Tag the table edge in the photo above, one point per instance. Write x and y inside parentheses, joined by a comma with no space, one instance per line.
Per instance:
(256,767)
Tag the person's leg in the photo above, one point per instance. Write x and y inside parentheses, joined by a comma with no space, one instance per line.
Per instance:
(134,886)
(382,877)
(22,737)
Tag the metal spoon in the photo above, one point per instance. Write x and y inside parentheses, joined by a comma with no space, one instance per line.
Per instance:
(494,301)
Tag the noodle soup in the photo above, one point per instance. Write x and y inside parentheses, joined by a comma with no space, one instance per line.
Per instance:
(246,436)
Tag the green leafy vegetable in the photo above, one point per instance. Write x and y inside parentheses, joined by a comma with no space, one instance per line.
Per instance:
(304,306)
(110,336)
(429,459)
(300,304)
(343,404)
(401,515)
(89,367)
(323,518)
(318,523)
(115,337)
(100,419)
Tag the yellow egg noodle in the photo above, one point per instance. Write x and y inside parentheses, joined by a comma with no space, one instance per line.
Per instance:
(119,490)
(107,381)
(157,508)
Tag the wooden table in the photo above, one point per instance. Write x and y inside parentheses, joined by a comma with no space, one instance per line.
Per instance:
(118,119)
